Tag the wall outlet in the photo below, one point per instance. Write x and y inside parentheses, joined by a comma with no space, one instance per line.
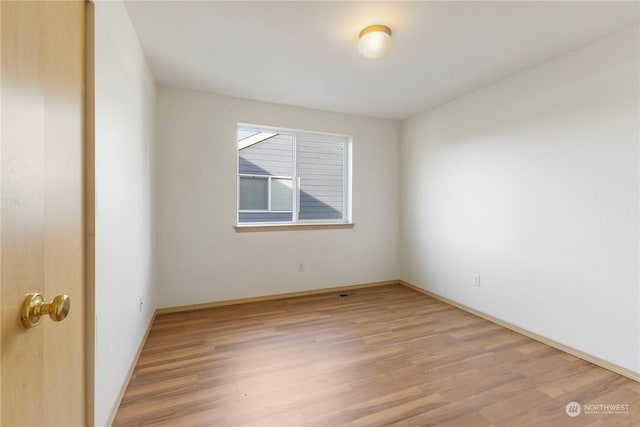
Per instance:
(476,280)
(300,267)
(140,307)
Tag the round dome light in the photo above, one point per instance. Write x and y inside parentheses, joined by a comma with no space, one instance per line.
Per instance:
(375,41)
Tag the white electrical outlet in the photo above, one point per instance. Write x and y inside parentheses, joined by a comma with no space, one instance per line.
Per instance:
(476,280)
(140,308)
(300,267)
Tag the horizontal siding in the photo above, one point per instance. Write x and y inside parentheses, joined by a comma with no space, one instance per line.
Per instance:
(321,165)
(265,217)
(325,214)
(313,204)
(271,157)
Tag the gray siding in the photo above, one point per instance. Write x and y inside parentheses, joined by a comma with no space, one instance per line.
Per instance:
(271,157)
(265,217)
(320,166)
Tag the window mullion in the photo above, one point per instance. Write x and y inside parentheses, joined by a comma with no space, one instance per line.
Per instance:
(269,193)
(295,183)
(345,184)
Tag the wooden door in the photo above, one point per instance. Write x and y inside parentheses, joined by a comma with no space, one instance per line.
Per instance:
(41,210)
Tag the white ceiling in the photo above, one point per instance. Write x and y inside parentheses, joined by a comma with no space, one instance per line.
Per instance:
(304,53)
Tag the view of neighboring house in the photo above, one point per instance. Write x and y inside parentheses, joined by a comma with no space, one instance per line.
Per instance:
(269,162)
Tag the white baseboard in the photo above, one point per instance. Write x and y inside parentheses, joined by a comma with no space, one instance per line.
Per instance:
(272,297)
(125,384)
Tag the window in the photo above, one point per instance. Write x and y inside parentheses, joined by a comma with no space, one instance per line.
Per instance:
(268,194)
(289,176)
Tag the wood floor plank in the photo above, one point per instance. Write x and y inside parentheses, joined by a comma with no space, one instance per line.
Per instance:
(385,355)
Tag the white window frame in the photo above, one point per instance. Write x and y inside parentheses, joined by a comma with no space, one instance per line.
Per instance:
(295,220)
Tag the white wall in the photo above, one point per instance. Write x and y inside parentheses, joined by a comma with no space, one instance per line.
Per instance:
(125,156)
(533,183)
(200,256)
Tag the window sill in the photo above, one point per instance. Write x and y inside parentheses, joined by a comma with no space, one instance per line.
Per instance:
(241,228)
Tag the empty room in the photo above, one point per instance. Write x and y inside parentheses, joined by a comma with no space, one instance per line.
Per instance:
(320,213)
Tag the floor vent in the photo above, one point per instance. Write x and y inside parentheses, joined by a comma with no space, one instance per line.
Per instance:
(347,295)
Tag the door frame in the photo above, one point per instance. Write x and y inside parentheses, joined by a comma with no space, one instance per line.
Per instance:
(89,211)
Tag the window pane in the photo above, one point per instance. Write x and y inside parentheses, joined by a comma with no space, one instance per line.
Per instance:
(281,194)
(321,171)
(270,163)
(254,193)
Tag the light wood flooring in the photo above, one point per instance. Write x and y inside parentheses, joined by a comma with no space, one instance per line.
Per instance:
(384,355)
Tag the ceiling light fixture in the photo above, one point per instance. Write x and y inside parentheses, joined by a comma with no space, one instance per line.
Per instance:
(375,41)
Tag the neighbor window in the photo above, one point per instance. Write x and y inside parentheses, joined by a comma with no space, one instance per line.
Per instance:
(290,176)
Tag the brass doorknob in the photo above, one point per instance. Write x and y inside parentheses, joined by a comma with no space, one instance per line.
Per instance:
(34,307)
